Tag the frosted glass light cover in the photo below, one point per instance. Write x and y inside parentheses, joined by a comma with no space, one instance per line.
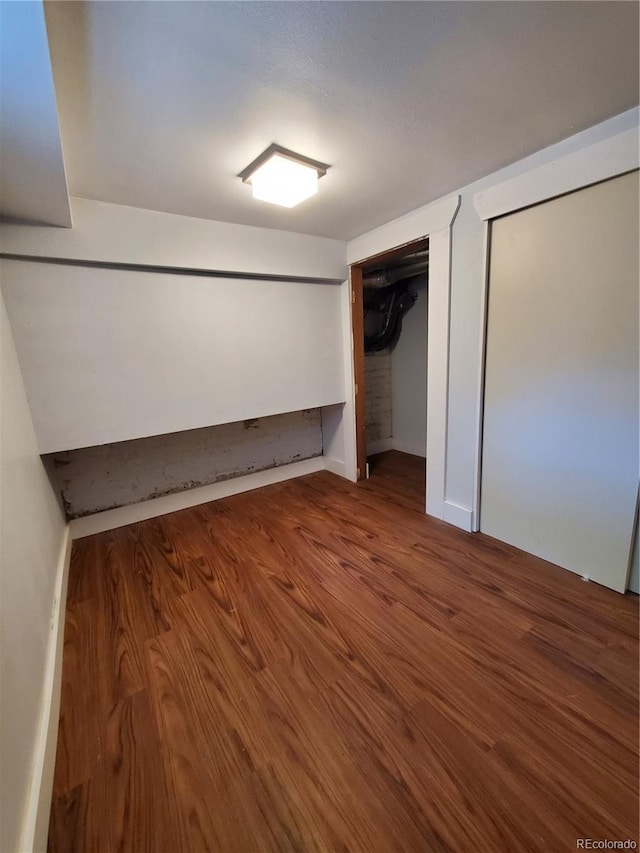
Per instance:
(284,182)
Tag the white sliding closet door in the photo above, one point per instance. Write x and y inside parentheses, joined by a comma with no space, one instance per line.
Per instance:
(560,441)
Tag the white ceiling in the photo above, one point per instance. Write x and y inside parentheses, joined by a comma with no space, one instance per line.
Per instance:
(32,179)
(162,103)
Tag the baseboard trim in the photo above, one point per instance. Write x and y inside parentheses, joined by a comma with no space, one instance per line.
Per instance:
(380,446)
(113,518)
(35,827)
(460,516)
(336,467)
(415,448)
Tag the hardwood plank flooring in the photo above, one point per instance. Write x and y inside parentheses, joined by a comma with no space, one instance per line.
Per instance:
(317,666)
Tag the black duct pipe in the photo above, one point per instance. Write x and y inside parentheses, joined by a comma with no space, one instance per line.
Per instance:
(390,304)
(383,278)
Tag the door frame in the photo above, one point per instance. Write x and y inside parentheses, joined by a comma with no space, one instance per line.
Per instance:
(359,388)
(357,330)
(433,222)
(598,162)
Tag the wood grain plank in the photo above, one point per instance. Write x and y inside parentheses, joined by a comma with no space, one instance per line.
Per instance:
(80,734)
(318,666)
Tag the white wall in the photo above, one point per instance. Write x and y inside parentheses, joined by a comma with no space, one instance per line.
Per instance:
(338,422)
(467,307)
(113,233)
(409,377)
(32,182)
(110,355)
(32,532)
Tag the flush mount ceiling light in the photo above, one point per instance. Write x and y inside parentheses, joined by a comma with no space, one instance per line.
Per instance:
(283,177)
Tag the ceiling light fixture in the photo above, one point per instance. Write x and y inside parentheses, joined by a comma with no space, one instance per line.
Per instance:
(283,177)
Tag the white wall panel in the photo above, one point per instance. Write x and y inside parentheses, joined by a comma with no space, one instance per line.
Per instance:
(409,377)
(110,355)
(32,532)
(114,233)
(33,183)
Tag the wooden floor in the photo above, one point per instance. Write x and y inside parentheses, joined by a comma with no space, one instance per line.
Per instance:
(318,666)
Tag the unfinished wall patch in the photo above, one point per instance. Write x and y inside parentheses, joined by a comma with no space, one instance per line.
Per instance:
(92,479)
(377,369)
